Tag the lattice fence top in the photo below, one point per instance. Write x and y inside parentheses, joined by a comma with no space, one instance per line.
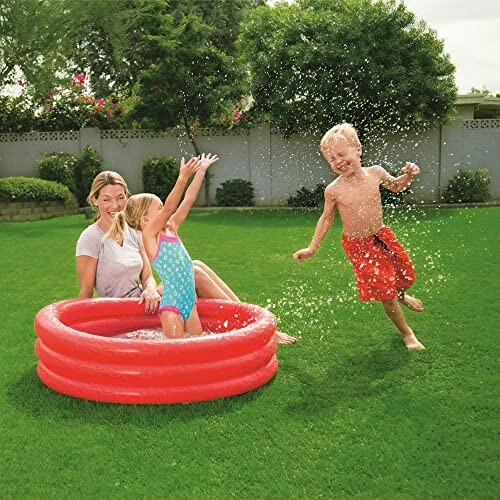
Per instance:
(478,124)
(154,134)
(71,135)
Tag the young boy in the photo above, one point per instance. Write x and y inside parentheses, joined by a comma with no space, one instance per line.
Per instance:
(382,267)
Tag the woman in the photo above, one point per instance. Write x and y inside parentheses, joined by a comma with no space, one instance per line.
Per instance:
(124,270)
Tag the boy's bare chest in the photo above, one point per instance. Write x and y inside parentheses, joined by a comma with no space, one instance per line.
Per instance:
(359,195)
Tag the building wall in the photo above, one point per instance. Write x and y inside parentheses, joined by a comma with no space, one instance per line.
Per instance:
(276,166)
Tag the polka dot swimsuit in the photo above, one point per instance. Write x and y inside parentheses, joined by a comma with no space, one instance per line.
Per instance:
(175,268)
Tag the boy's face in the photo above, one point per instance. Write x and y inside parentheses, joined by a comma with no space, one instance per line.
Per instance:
(343,156)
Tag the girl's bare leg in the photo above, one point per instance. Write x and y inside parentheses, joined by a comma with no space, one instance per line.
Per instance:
(193,324)
(395,313)
(210,286)
(172,324)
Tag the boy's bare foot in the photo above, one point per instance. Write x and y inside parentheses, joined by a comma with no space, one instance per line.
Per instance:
(412,303)
(412,342)
(284,338)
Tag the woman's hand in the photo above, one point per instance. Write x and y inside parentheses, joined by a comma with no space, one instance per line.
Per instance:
(151,298)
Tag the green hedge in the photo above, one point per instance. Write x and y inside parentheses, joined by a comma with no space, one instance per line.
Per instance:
(159,175)
(235,193)
(32,189)
(76,173)
(468,187)
(58,167)
(303,197)
(87,166)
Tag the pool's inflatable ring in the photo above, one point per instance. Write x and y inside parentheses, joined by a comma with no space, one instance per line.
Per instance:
(79,356)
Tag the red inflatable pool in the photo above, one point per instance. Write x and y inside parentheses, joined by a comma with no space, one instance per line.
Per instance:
(79,354)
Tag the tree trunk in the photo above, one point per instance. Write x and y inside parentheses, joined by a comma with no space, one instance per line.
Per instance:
(206,183)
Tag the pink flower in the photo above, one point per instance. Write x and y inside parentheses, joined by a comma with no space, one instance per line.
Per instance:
(237,116)
(78,79)
(20,82)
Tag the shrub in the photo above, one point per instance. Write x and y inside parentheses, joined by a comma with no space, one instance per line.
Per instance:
(87,166)
(32,189)
(58,167)
(305,198)
(468,187)
(390,198)
(235,193)
(71,106)
(159,175)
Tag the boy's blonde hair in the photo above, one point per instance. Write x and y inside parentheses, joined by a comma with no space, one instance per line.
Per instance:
(103,179)
(344,131)
(137,207)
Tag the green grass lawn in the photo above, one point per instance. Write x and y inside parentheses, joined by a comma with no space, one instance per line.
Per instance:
(350,412)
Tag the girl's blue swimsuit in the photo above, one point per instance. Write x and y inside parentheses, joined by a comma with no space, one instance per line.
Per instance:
(175,268)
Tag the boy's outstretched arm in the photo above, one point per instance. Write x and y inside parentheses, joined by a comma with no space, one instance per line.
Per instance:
(206,161)
(398,184)
(322,227)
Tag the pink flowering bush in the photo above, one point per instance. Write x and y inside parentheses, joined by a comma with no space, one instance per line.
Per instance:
(73,106)
(238,116)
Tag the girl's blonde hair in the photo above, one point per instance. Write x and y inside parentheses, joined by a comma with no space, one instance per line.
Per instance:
(106,178)
(137,207)
(344,131)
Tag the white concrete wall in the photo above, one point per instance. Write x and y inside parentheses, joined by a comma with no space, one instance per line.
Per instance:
(276,166)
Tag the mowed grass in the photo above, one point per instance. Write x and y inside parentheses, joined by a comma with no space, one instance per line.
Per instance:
(350,412)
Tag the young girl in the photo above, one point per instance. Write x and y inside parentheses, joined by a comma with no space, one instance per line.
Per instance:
(159,224)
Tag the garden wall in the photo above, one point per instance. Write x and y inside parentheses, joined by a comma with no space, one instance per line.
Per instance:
(35,210)
(276,166)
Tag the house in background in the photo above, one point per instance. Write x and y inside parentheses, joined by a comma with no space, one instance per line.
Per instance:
(477,106)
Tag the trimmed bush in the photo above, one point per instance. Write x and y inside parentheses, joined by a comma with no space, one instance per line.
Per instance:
(390,198)
(235,193)
(58,167)
(32,189)
(468,187)
(306,198)
(87,166)
(159,175)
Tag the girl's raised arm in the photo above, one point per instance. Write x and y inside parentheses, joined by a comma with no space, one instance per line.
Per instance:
(185,172)
(192,193)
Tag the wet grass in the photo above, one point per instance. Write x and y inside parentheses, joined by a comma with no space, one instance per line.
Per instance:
(350,413)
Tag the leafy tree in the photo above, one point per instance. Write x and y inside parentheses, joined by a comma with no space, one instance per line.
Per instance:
(33,41)
(179,57)
(193,74)
(315,63)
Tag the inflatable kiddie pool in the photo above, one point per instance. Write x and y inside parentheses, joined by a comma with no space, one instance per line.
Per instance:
(84,353)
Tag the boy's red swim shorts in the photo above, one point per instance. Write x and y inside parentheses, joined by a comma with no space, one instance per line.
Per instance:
(380,264)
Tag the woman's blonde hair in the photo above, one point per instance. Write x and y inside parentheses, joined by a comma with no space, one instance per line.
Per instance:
(137,207)
(344,131)
(106,178)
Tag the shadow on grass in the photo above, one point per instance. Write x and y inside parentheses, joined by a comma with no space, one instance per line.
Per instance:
(30,396)
(351,382)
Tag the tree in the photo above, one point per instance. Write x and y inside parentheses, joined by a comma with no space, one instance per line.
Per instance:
(33,41)
(319,62)
(193,74)
(177,58)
